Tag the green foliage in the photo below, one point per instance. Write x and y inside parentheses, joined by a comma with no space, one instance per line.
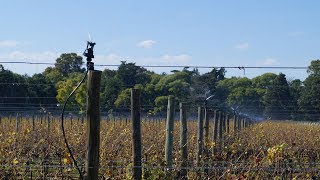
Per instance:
(123,98)
(278,99)
(269,94)
(68,63)
(41,87)
(264,81)
(130,74)
(64,88)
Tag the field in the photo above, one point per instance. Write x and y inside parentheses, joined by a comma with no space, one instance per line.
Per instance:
(264,150)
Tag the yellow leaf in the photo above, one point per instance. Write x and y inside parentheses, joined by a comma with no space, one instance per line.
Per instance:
(27,131)
(65,160)
(15,161)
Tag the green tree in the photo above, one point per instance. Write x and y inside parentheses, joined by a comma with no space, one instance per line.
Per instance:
(309,101)
(78,101)
(53,75)
(177,84)
(40,86)
(68,63)
(295,88)
(277,99)
(205,85)
(130,74)
(13,88)
(263,81)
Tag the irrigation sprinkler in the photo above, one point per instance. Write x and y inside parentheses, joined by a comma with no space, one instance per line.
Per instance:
(89,54)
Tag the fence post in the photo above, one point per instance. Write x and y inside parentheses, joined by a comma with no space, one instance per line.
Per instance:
(136,133)
(169,132)
(183,140)
(224,119)
(17,122)
(220,128)
(48,125)
(200,135)
(206,125)
(235,128)
(228,124)
(93,127)
(215,129)
(33,122)
(239,119)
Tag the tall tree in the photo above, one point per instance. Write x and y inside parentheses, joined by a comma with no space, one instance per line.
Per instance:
(13,88)
(68,63)
(296,88)
(40,86)
(130,74)
(309,101)
(277,99)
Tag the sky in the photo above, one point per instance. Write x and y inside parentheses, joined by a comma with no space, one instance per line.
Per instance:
(166,32)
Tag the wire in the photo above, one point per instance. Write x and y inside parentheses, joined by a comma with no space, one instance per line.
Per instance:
(171,66)
(62,124)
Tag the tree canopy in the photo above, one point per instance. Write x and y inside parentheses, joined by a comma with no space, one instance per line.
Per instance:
(269,95)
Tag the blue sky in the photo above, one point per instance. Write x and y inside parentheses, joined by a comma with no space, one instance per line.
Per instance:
(166,32)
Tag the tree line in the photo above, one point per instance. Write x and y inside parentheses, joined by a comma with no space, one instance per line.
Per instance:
(269,95)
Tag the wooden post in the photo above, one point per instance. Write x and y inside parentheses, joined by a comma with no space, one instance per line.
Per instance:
(48,125)
(224,119)
(93,127)
(215,129)
(200,135)
(220,128)
(33,122)
(206,125)
(183,140)
(169,132)
(228,124)
(235,128)
(17,122)
(136,133)
(239,123)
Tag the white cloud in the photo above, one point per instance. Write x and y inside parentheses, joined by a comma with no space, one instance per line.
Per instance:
(46,56)
(11,43)
(181,58)
(8,43)
(270,61)
(146,43)
(295,34)
(108,59)
(242,46)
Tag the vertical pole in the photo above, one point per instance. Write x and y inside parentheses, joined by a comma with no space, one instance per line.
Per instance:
(200,135)
(220,128)
(48,125)
(206,125)
(228,124)
(235,128)
(33,122)
(169,132)
(183,140)
(93,127)
(239,123)
(136,133)
(17,122)
(215,129)
(224,119)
